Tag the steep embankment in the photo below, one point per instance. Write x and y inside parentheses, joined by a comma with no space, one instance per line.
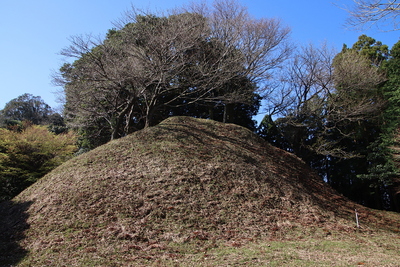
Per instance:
(185,180)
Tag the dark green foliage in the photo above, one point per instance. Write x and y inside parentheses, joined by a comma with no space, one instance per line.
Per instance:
(56,124)
(271,131)
(386,150)
(374,50)
(26,108)
(391,90)
(32,110)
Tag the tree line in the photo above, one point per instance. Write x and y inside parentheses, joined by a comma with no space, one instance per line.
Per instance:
(33,141)
(337,111)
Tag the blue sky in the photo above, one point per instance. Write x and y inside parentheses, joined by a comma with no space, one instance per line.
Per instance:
(33,32)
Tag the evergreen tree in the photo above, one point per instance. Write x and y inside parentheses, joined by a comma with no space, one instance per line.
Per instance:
(26,108)
(384,159)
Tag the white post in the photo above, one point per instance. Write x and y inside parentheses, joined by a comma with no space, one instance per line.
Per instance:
(358,225)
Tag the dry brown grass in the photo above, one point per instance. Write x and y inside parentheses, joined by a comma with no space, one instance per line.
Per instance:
(171,194)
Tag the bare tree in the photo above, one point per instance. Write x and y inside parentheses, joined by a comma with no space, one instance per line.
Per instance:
(356,80)
(307,77)
(151,62)
(93,85)
(323,92)
(305,86)
(263,43)
(374,13)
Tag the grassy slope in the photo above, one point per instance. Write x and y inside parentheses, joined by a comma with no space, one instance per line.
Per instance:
(191,192)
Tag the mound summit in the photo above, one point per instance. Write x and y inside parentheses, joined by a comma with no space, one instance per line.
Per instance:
(184,180)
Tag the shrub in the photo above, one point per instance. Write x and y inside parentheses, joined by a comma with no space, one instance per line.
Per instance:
(28,154)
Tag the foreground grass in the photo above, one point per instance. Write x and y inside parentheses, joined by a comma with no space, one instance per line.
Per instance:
(354,249)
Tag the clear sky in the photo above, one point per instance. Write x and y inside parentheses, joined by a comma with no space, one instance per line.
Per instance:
(33,32)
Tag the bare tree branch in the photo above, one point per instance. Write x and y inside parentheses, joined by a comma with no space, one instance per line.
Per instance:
(324,93)
(182,57)
(366,14)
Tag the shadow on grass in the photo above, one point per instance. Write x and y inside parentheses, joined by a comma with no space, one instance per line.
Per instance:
(13,223)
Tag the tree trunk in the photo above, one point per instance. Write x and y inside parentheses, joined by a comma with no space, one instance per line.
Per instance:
(149,118)
(211,112)
(228,113)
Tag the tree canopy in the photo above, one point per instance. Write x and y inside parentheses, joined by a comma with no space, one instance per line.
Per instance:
(151,65)
(26,108)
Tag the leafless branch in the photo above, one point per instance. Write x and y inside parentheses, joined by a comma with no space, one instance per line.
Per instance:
(366,14)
